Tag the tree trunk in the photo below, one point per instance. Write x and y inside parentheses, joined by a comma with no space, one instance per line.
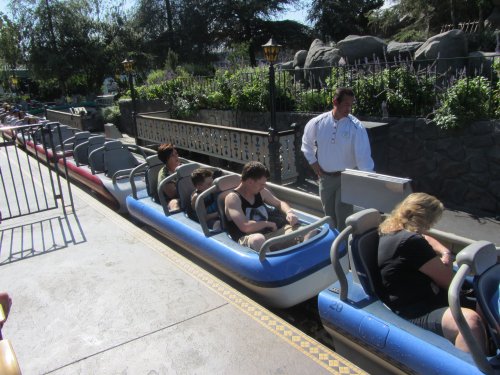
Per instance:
(51,26)
(454,21)
(170,31)
(251,54)
(480,26)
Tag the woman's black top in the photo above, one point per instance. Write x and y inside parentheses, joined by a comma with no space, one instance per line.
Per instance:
(410,293)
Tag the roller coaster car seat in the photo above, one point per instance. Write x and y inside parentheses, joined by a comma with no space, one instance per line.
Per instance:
(60,135)
(363,250)
(154,166)
(225,185)
(84,151)
(117,157)
(185,185)
(96,155)
(483,259)
(76,140)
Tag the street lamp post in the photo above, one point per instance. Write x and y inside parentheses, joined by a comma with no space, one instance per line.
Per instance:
(271,50)
(128,65)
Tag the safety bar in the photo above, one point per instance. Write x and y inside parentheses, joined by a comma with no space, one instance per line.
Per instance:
(161,185)
(286,237)
(201,211)
(335,256)
(467,261)
(140,168)
(121,173)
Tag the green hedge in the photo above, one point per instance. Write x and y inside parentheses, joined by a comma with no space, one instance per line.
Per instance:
(405,91)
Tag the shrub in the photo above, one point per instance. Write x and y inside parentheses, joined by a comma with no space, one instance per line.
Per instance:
(464,102)
(249,90)
(314,101)
(156,77)
(111,115)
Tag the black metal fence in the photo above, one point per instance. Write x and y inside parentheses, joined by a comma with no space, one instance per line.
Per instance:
(402,87)
(27,186)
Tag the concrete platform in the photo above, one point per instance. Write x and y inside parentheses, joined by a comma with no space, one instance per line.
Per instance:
(94,294)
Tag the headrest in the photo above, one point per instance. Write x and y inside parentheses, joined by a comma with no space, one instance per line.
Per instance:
(112,145)
(97,139)
(227,182)
(153,160)
(479,255)
(82,135)
(364,220)
(185,170)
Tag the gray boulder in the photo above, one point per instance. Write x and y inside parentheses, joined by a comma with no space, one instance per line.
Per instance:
(286,65)
(300,58)
(355,47)
(319,56)
(481,63)
(396,50)
(448,45)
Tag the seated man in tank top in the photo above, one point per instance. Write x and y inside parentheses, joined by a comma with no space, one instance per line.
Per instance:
(248,218)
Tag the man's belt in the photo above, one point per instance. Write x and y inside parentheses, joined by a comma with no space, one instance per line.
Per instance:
(332,174)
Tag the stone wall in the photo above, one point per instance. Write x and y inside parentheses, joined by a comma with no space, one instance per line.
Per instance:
(461,167)
(126,121)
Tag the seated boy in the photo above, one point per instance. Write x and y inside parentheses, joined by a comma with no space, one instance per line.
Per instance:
(202,179)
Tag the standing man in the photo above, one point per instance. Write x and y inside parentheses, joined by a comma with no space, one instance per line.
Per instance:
(332,142)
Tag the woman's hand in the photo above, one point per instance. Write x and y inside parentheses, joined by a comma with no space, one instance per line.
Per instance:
(447,258)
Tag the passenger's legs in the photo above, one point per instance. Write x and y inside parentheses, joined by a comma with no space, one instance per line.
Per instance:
(451,332)
(253,241)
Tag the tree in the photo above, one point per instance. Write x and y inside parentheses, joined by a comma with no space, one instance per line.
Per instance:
(68,41)
(336,19)
(239,21)
(10,36)
(431,15)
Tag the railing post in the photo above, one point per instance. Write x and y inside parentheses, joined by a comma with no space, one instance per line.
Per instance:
(274,156)
(297,143)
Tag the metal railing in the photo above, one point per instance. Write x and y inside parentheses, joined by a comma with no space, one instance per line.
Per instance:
(274,149)
(26,185)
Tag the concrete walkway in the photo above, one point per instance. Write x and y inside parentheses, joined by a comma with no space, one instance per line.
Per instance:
(94,294)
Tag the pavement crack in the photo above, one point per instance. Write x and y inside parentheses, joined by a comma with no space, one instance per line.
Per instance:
(136,338)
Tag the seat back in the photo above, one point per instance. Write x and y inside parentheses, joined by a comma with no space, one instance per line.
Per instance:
(96,154)
(487,287)
(363,251)
(225,185)
(80,138)
(62,134)
(95,142)
(185,185)
(154,166)
(117,157)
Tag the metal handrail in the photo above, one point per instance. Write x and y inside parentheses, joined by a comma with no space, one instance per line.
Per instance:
(286,237)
